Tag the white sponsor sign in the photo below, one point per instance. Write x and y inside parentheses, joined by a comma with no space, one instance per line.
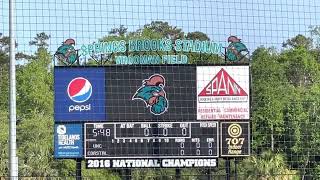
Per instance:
(223,92)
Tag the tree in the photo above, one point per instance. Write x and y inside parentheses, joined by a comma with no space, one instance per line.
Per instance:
(35,145)
(4,72)
(164,29)
(301,137)
(269,91)
(4,44)
(197,35)
(121,31)
(40,40)
(285,104)
(157,30)
(4,136)
(268,165)
(35,85)
(298,41)
(315,35)
(302,68)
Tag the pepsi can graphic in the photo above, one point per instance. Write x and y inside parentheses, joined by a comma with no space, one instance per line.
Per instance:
(79,94)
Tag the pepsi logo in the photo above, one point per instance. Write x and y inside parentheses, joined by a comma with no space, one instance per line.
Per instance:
(79,89)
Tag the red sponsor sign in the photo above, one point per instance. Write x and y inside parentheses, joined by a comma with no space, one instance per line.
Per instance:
(222,88)
(223,92)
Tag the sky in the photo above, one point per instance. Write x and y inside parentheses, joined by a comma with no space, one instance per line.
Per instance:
(257,22)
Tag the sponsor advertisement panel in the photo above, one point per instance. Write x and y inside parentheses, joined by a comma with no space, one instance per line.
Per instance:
(223,92)
(235,139)
(68,141)
(79,94)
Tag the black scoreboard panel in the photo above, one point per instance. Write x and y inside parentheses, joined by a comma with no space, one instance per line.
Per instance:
(122,82)
(152,140)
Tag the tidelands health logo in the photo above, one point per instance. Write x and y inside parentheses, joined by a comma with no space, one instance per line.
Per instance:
(79,91)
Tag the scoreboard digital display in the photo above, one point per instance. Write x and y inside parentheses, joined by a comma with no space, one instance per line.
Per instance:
(151,140)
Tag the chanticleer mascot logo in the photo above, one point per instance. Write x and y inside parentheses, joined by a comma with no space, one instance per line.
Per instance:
(236,50)
(153,94)
(66,53)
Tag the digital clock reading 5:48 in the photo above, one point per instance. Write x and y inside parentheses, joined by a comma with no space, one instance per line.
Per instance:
(101,132)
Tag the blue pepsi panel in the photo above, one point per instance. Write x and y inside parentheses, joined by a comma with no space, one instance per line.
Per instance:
(68,140)
(79,94)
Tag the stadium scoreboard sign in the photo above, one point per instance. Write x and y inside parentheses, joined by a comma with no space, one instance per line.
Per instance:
(152,116)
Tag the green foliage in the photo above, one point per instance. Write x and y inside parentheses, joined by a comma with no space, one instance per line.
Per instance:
(100,174)
(35,85)
(165,174)
(34,139)
(269,91)
(4,136)
(164,30)
(298,41)
(40,41)
(4,83)
(4,44)
(197,35)
(285,104)
(121,31)
(268,165)
(302,68)
(158,30)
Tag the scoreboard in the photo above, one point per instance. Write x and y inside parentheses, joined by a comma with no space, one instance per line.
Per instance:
(152,116)
(150,140)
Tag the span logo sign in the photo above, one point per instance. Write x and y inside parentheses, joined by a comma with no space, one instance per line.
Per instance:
(79,94)
(153,94)
(222,88)
(222,92)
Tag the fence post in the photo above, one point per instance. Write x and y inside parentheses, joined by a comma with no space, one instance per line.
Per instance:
(235,169)
(127,174)
(78,169)
(227,169)
(13,159)
(209,174)
(178,174)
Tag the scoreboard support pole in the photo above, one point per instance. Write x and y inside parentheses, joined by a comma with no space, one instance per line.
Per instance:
(78,169)
(235,169)
(209,174)
(127,174)
(228,169)
(178,174)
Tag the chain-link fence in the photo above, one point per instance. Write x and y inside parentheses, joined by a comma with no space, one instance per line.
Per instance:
(176,40)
